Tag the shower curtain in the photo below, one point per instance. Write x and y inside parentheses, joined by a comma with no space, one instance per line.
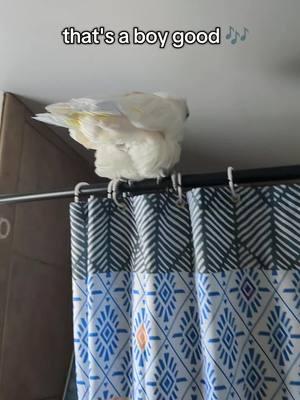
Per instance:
(193,302)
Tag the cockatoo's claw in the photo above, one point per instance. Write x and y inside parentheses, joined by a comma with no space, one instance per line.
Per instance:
(161,175)
(176,178)
(130,184)
(110,188)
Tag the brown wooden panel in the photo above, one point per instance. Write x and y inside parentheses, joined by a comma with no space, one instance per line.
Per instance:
(37,331)
(35,281)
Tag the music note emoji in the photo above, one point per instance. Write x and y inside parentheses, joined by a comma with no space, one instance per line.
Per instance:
(243,36)
(228,36)
(234,40)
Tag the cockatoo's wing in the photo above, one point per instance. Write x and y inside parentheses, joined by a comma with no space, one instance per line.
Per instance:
(85,118)
(109,107)
(52,119)
(152,112)
(124,119)
(64,114)
(104,114)
(75,133)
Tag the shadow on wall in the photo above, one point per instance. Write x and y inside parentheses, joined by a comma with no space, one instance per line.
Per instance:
(290,68)
(196,160)
(71,388)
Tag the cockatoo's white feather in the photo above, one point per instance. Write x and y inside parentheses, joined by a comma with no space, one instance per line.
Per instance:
(136,136)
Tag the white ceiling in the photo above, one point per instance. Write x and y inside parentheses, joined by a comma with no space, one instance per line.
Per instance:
(244,99)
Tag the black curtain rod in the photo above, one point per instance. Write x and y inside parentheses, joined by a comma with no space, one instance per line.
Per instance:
(243,177)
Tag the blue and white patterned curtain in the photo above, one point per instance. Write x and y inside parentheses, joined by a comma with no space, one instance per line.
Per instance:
(198,302)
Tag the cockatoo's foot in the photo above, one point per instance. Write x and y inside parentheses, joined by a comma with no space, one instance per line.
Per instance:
(110,189)
(161,175)
(130,184)
(176,179)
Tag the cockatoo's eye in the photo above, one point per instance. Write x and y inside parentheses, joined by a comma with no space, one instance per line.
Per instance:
(187,114)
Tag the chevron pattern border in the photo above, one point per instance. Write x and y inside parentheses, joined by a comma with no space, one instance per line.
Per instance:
(212,234)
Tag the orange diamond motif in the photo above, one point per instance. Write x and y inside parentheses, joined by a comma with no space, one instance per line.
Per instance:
(142,337)
(120,398)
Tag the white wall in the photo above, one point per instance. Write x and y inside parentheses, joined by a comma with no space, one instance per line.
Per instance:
(244,99)
(1,105)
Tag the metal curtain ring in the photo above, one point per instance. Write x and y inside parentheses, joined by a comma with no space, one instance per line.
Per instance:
(232,186)
(177,186)
(77,190)
(115,186)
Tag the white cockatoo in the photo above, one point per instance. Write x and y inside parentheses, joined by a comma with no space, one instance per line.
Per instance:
(136,136)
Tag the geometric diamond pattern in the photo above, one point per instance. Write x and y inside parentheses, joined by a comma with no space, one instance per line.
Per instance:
(253,378)
(193,302)
(248,288)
